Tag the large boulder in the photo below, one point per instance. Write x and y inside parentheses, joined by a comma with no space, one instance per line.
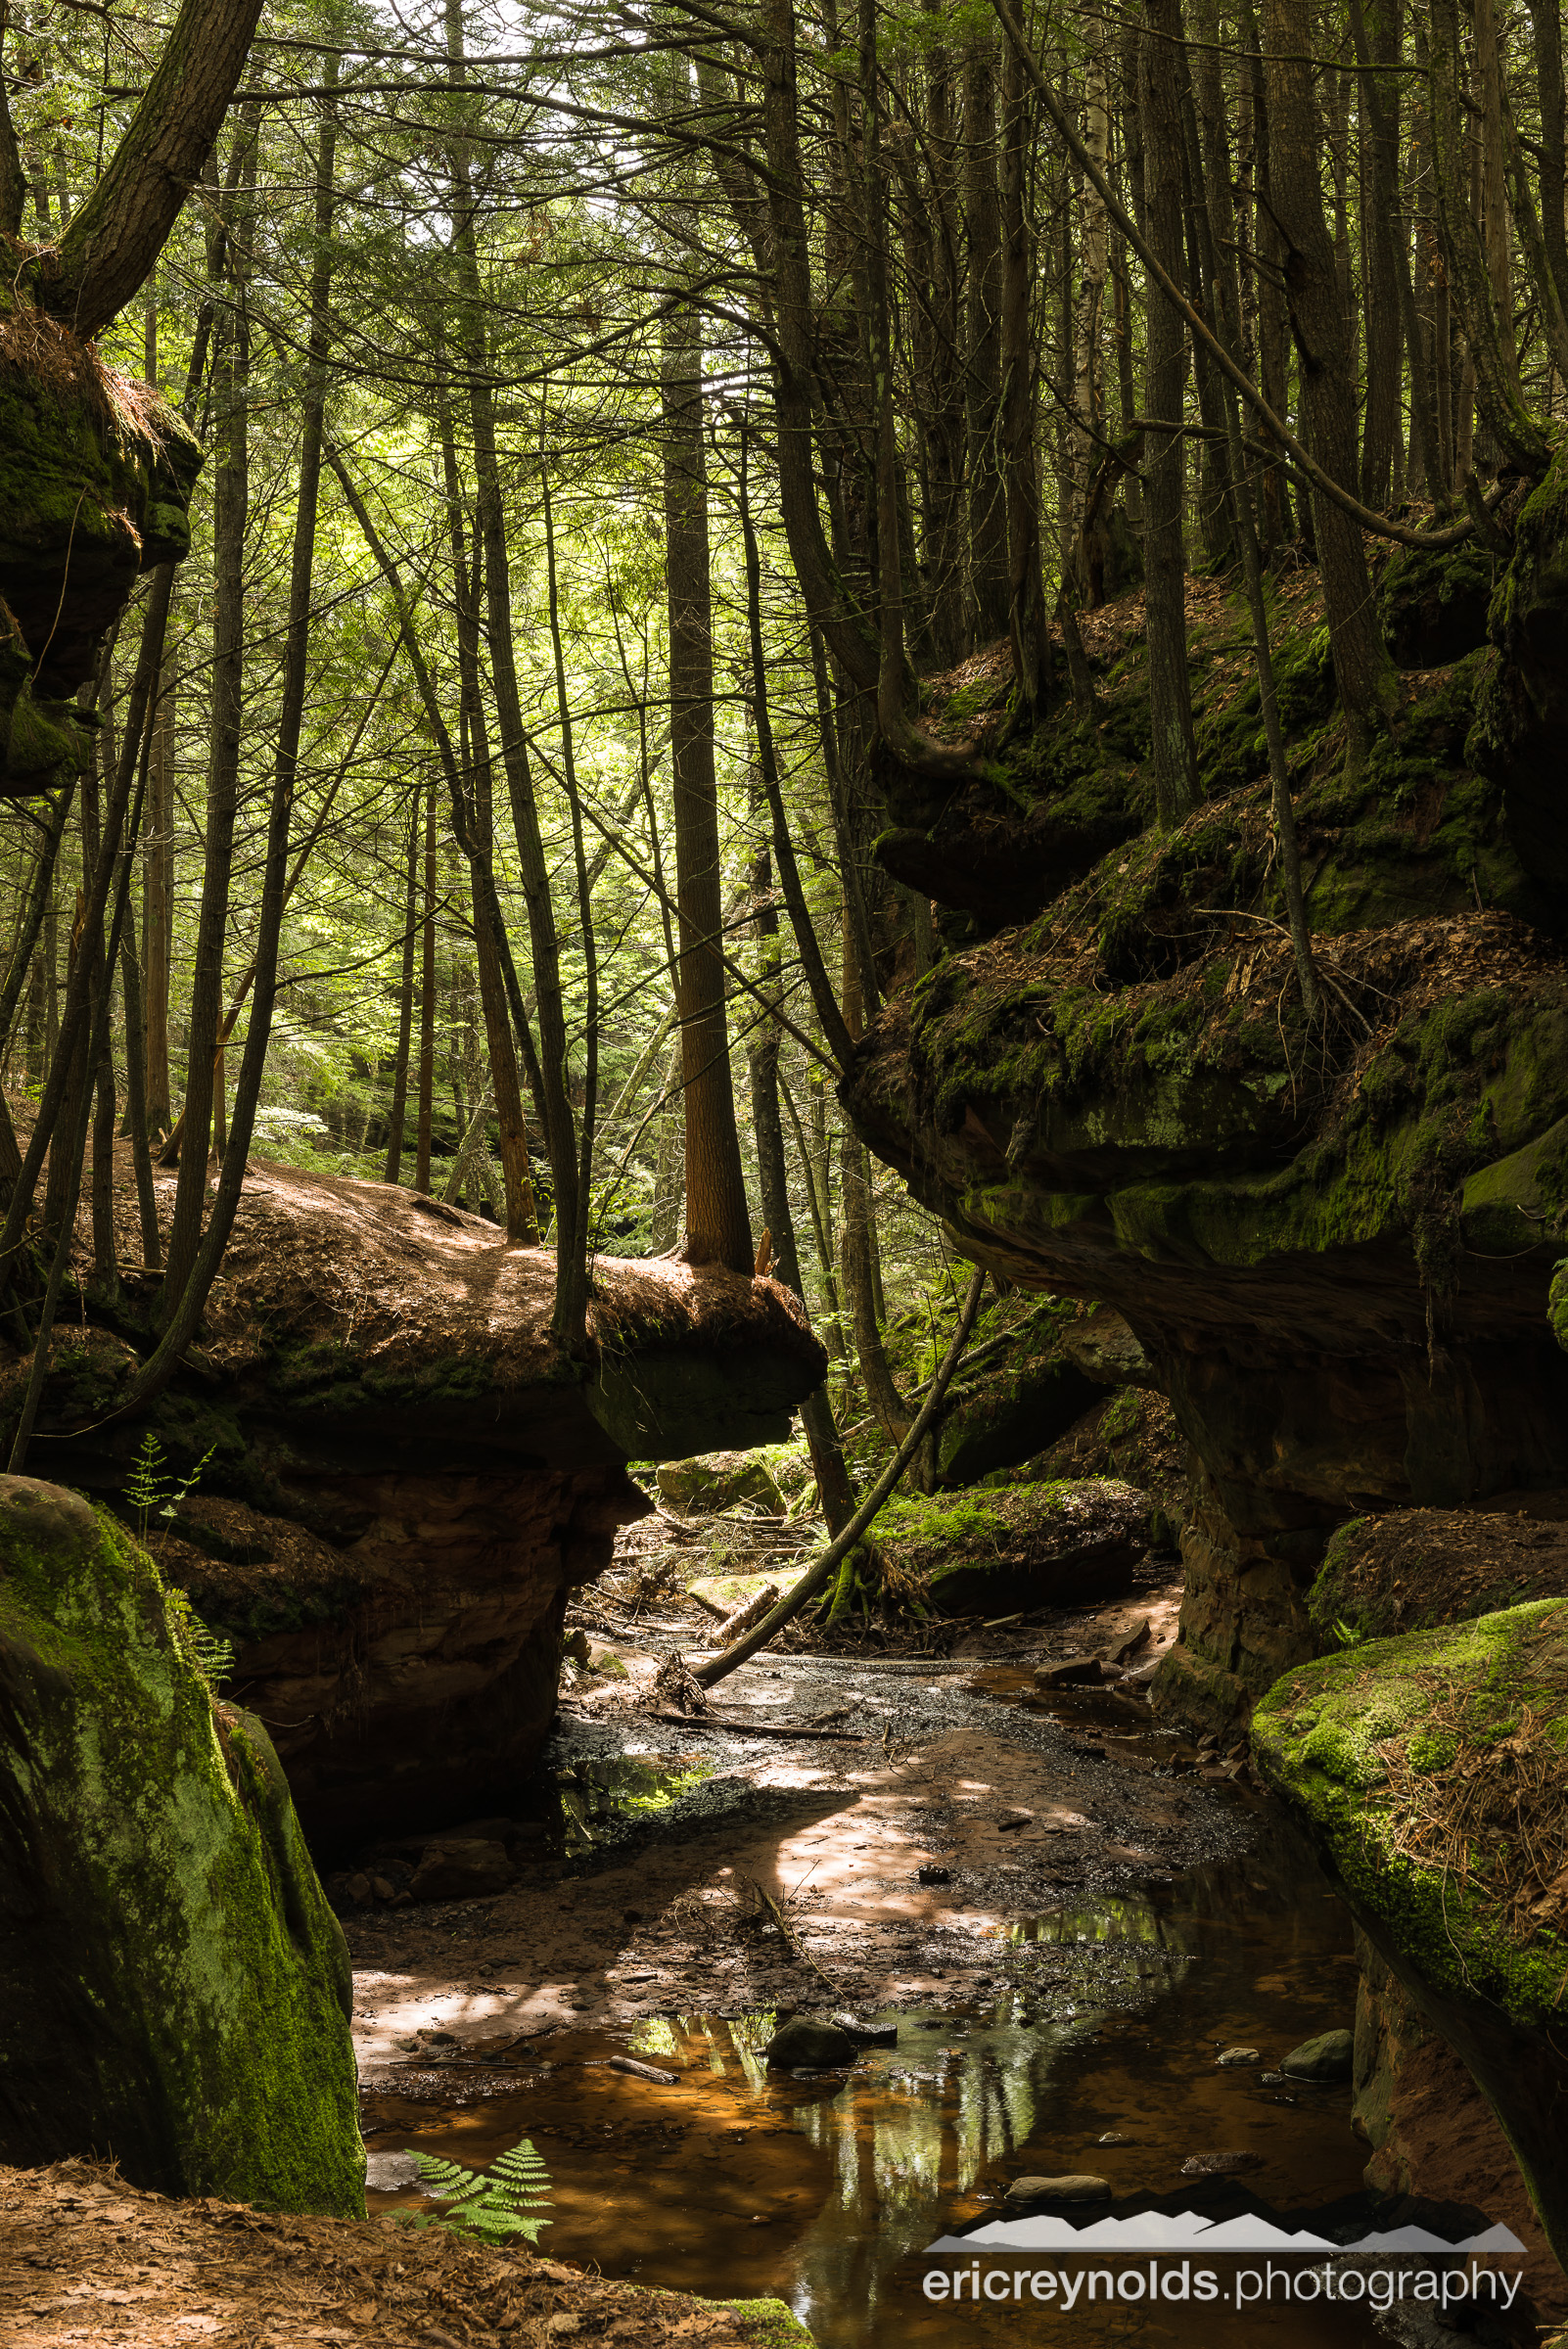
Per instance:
(720,1480)
(174,1989)
(402,1476)
(987,1551)
(1025,1396)
(1431,1769)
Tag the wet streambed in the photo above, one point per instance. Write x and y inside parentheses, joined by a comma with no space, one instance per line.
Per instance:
(1087,2044)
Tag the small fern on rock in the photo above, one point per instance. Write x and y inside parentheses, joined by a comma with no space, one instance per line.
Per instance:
(497,2205)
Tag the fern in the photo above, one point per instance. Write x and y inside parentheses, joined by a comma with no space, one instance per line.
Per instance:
(152,1489)
(495,2204)
(211,1654)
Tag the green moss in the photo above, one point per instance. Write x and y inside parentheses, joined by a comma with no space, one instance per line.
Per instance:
(1317,1738)
(201,1945)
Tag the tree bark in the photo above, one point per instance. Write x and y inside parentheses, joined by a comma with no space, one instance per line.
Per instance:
(1174,757)
(103,260)
(1026,584)
(988,498)
(405,1006)
(158,906)
(717,1222)
(1319,329)
(426,1005)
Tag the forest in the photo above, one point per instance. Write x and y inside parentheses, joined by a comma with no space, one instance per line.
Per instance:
(781,880)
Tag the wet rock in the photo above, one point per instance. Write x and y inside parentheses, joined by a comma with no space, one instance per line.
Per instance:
(1400,1736)
(1232,2059)
(805,2045)
(1221,2165)
(1074,2188)
(930,1874)
(389,2172)
(177,1989)
(461,1871)
(866,2034)
(358,1889)
(1079,1672)
(1332,2057)
(720,1480)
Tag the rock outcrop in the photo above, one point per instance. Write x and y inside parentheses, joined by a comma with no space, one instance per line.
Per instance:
(1333,1241)
(174,1989)
(95,473)
(1431,1769)
(400,1478)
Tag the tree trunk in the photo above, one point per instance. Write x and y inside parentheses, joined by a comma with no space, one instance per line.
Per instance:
(158,906)
(1319,329)
(426,1005)
(987,502)
(230,511)
(406,1005)
(1025,586)
(717,1224)
(1174,757)
(105,256)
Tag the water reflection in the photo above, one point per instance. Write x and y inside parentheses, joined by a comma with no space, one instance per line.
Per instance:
(740,2180)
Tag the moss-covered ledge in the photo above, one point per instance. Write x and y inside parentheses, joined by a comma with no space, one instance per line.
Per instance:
(1432,1768)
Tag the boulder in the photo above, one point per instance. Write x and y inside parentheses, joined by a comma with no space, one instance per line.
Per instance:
(989,1551)
(401,1478)
(461,1869)
(720,1480)
(1021,1401)
(1331,2057)
(174,1989)
(1431,1770)
(1414,1568)
(801,2044)
(1107,1350)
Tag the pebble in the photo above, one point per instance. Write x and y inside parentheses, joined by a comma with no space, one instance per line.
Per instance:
(1231,2058)
(389,2172)
(1220,2165)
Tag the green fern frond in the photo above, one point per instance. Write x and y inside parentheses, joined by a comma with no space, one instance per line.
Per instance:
(497,2205)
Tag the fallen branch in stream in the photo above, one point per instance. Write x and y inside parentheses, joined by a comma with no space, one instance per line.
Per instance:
(815,1577)
(758,1729)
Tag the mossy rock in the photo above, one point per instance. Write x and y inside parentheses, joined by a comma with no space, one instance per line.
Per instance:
(1383,1751)
(721,1593)
(1011,1415)
(1017,1546)
(1433,603)
(720,1480)
(174,1989)
(1414,1569)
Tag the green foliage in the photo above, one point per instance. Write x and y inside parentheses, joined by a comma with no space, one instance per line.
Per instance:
(211,1655)
(497,2205)
(153,1489)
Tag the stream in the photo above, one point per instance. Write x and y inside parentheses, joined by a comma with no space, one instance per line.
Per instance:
(1085,2039)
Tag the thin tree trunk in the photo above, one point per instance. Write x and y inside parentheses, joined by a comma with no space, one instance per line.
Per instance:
(717,1222)
(406,1005)
(988,504)
(1025,586)
(158,906)
(1174,757)
(230,511)
(426,1005)
(1328,389)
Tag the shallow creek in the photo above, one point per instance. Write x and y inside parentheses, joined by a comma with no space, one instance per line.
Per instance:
(1093,2049)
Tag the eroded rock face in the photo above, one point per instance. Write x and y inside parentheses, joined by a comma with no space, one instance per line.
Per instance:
(401,1478)
(1430,1770)
(95,473)
(174,1989)
(1430,2132)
